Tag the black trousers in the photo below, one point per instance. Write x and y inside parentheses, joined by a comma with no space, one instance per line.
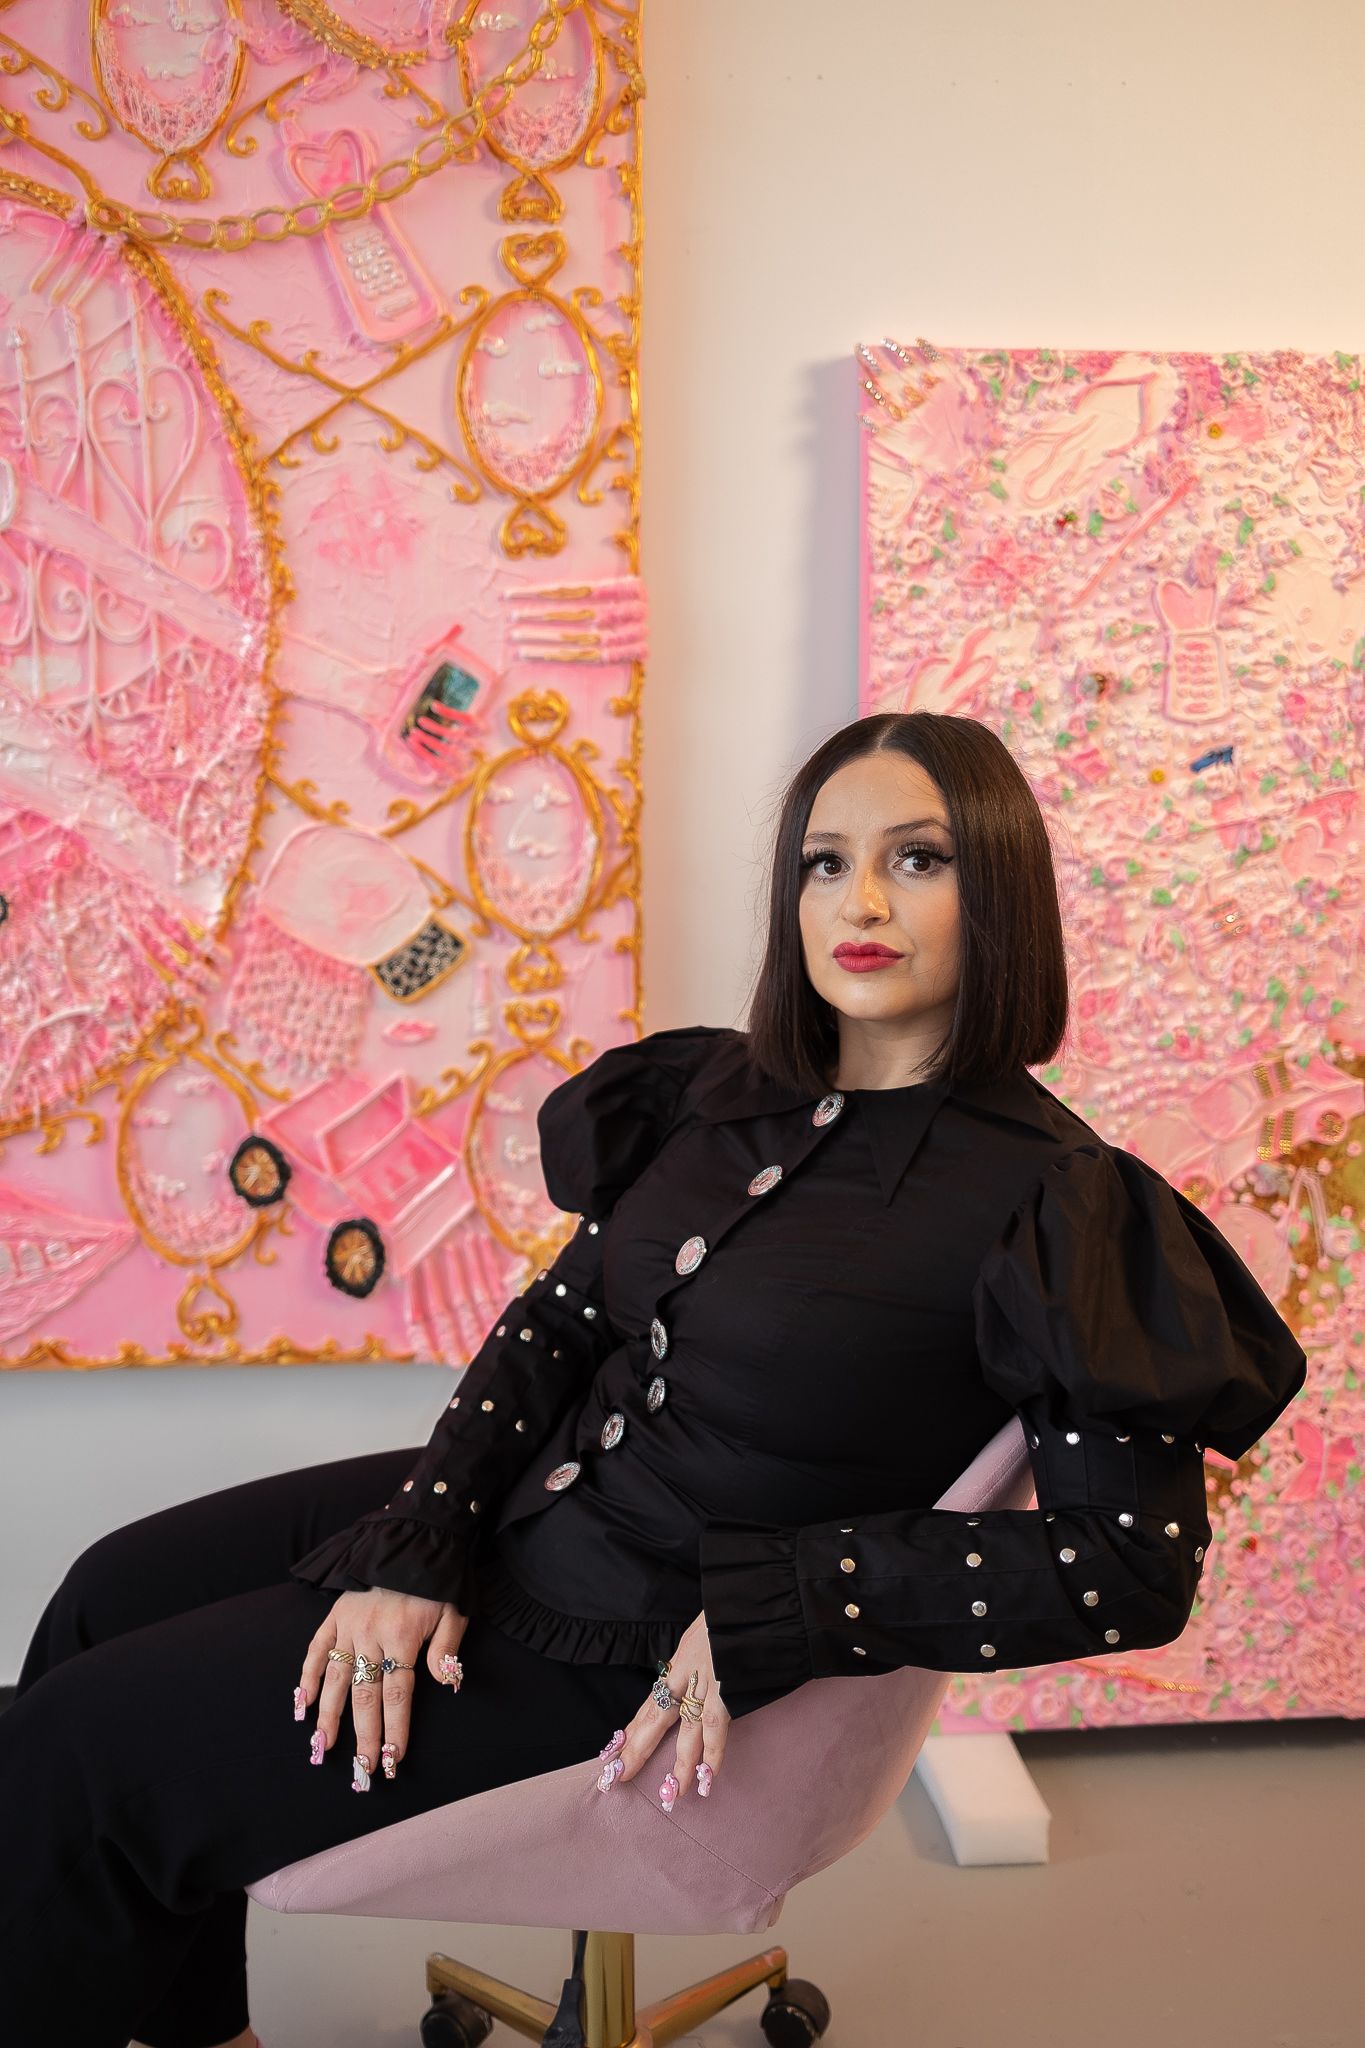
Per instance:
(151,1765)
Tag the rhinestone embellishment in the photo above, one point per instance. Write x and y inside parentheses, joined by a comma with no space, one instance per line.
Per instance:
(768,1178)
(827,1108)
(658,1388)
(658,1339)
(562,1476)
(690,1255)
(613,1429)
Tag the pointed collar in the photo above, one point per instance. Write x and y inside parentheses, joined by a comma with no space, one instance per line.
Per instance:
(896,1119)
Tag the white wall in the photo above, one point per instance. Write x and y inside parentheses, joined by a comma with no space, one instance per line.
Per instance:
(1175,173)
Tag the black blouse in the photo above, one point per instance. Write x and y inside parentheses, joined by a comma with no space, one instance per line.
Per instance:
(781,1329)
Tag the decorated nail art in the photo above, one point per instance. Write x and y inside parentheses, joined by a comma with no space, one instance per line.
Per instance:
(452,1672)
(300,1703)
(668,1792)
(704,1776)
(317,1747)
(611,1771)
(388,1757)
(618,1741)
(360,1774)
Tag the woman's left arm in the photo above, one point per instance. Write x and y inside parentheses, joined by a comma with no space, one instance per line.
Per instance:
(1128,1335)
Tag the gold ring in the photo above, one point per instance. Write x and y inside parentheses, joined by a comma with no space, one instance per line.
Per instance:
(340,1657)
(689,1707)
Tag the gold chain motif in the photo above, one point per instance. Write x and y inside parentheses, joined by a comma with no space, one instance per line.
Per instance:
(231,232)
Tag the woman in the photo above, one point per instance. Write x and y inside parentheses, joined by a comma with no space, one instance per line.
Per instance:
(815,1269)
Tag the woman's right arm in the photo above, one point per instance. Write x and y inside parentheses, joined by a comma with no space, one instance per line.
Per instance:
(538,1359)
(598,1130)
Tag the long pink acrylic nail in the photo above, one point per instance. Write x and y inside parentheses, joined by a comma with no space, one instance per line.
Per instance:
(300,1703)
(668,1792)
(388,1757)
(611,1771)
(704,1776)
(360,1774)
(618,1741)
(452,1672)
(317,1747)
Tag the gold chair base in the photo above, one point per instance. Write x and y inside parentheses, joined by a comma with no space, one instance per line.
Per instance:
(609,2016)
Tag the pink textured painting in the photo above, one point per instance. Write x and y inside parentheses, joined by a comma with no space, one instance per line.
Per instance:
(1146,572)
(321,646)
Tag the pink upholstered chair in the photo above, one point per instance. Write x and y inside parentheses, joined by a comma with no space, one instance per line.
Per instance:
(517,1855)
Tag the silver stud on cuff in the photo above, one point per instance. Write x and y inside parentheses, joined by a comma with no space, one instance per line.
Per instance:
(456,1402)
(846,1564)
(473,1507)
(1073,1436)
(858,1650)
(1199,1555)
(487,1407)
(973,1521)
(560,1288)
(502,1329)
(973,1558)
(1125,1521)
(1166,1439)
(592,1229)
(519,1424)
(589,1312)
(407,1486)
(526,1335)
(853,1610)
(440,1487)
(1123,1439)
(1034,1441)
(988,1649)
(978,1608)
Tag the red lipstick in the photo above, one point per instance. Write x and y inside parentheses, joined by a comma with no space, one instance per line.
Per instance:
(860,959)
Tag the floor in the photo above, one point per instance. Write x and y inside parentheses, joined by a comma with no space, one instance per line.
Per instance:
(1204,1890)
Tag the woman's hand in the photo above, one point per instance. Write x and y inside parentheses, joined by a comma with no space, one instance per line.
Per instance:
(700,1744)
(376,1625)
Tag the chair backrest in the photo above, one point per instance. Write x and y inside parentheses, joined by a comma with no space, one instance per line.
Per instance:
(806,1778)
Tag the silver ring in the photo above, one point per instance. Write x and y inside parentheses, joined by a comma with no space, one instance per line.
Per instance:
(367,1672)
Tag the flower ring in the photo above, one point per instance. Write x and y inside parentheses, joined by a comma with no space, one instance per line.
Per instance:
(366,1671)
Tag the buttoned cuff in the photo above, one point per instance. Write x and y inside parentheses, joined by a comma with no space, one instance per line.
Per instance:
(752,1603)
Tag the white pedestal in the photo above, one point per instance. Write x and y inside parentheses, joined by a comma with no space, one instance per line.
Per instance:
(989,1805)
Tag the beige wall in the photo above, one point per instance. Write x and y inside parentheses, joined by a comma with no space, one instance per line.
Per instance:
(1175,173)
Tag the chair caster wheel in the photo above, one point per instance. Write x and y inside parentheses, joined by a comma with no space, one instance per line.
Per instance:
(796,2015)
(454,2021)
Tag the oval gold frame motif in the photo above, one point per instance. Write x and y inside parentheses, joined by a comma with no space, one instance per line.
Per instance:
(521,535)
(164,181)
(572,155)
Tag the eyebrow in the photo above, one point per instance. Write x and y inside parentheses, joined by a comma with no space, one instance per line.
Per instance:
(913,826)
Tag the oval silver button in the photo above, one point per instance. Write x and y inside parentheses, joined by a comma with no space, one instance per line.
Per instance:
(827,1108)
(690,1255)
(613,1429)
(768,1178)
(658,1389)
(562,1476)
(658,1339)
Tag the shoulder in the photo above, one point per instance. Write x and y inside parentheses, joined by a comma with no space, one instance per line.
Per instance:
(602,1124)
(1116,1299)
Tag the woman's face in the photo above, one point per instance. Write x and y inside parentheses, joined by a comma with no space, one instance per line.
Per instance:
(882,874)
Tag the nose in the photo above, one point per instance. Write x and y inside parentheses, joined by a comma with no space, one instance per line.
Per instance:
(865,891)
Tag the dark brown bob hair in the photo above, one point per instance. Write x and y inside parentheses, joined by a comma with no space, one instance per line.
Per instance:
(1011,1008)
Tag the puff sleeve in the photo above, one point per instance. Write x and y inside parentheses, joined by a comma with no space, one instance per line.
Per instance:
(598,1130)
(1127,1334)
